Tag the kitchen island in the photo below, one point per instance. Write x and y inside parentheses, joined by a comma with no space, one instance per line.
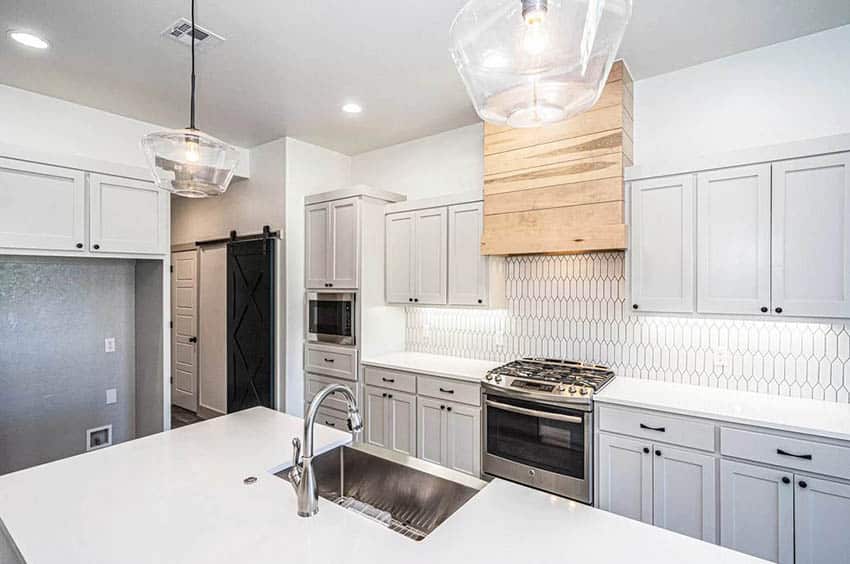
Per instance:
(179,498)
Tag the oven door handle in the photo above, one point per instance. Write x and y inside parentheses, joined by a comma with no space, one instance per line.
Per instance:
(535,413)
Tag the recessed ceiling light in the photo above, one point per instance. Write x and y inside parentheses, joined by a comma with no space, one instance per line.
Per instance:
(352,108)
(29,39)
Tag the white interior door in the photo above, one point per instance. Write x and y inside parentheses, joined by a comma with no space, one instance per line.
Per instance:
(42,207)
(430,261)
(811,236)
(662,248)
(345,243)
(317,241)
(212,328)
(128,216)
(733,241)
(399,257)
(184,336)
(467,267)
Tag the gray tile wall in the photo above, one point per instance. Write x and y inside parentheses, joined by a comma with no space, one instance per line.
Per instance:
(54,316)
(574,307)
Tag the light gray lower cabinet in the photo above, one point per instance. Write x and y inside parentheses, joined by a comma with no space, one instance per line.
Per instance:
(821,521)
(757,511)
(390,420)
(449,434)
(672,488)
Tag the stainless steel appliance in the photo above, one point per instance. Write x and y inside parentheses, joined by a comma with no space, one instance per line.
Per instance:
(330,318)
(538,424)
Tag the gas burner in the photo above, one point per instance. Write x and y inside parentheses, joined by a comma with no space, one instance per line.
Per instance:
(563,381)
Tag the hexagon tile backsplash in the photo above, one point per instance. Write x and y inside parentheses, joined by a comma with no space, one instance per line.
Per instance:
(573,307)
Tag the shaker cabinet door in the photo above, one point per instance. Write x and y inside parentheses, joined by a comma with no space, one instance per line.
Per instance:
(821,521)
(431,430)
(344,243)
(402,417)
(662,248)
(685,492)
(128,216)
(625,477)
(317,228)
(430,262)
(463,438)
(811,236)
(376,418)
(399,257)
(467,267)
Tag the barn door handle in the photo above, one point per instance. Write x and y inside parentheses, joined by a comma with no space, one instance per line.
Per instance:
(193,339)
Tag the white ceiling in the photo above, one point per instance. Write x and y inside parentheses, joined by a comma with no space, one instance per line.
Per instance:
(288,65)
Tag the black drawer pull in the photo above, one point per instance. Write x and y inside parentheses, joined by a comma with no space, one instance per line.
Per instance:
(648,428)
(786,453)
(388,380)
(329,360)
(329,424)
(445,391)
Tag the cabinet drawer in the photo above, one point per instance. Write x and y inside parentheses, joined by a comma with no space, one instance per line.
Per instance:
(463,392)
(333,418)
(656,427)
(799,454)
(314,385)
(338,362)
(391,379)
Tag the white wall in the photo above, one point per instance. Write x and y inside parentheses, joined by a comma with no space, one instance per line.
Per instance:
(309,170)
(51,125)
(789,91)
(446,163)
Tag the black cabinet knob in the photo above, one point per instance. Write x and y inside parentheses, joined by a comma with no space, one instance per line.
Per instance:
(786,480)
(383,395)
(657,453)
(802,484)
(96,247)
(410,299)
(330,285)
(390,396)
(764,309)
(480,301)
(442,407)
(646,450)
(448,409)
(778,310)
(415,299)
(193,339)
(79,245)
(634,306)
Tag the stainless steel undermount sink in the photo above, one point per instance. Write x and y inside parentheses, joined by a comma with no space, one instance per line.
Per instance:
(406,494)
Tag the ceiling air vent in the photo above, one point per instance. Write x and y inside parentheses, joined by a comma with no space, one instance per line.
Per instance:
(181,31)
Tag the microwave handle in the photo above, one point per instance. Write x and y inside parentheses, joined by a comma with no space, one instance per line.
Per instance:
(535,413)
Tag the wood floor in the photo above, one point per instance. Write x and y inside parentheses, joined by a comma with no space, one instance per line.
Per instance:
(181,417)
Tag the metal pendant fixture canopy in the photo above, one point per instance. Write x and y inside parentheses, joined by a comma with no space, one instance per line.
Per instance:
(528,63)
(188,162)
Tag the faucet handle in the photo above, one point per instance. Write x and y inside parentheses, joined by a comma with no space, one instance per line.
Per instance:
(296,451)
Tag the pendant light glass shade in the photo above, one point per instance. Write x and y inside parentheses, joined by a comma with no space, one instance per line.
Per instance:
(528,63)
(190,163)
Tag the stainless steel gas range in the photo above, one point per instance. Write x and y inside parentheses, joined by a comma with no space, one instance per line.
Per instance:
(538,424)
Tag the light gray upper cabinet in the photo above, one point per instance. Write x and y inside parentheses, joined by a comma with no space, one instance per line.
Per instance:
(332,239)
(317,223)
(625,477)
(128,216)
(685,492)
(44,207)
(811,236)
(733,241)
(399,257)
(821,521)
(662,245)
(430,263)
(757,511)
(468,270)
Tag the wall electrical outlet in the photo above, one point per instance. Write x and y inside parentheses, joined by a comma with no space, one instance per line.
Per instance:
(109,344)
(111,396)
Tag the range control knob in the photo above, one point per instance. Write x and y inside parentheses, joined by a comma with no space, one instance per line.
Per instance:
(584,391)
(498,379)
(572,389)
(488,377)
(562,388)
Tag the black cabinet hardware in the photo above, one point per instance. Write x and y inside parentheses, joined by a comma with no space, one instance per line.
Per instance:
(786,480)
(383,395)
(442,407)
(79,245)
(96,247)
(390,396)
(445,391)
(330,285)
(389,380)
(410,299)
(778,310)
(657,453)
(448,409)
(193,339)
(480,301)
(415,299)
(648,428)
(634,306)
(646,450)
(764,309)
(329,424)
(802,484)
(786,453)
(329,360)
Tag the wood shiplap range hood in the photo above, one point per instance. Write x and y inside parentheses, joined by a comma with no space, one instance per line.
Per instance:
(559,189)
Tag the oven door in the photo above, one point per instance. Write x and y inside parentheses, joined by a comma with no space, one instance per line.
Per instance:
(330,318)
(542,445)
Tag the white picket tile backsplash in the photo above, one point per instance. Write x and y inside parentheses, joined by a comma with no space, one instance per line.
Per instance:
(574,307)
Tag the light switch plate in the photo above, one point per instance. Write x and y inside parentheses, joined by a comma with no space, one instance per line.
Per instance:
(109,344)
(111,396)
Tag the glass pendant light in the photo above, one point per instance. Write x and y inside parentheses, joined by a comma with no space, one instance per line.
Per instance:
(528,63)
(188,162)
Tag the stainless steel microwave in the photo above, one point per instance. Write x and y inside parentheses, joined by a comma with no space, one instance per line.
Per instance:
(330,318)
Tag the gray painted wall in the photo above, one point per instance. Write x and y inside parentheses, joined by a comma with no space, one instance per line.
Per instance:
(149,347)
(54,316)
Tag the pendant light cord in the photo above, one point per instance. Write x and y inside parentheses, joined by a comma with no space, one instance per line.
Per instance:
(192,101)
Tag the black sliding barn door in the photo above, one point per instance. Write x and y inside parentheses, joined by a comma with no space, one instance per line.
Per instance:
(250,323)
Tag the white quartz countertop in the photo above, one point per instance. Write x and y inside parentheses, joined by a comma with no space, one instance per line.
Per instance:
(178,498)
(821,418)
(433,365)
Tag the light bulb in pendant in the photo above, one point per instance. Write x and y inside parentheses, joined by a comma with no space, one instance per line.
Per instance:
(534,13)
(193,151)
